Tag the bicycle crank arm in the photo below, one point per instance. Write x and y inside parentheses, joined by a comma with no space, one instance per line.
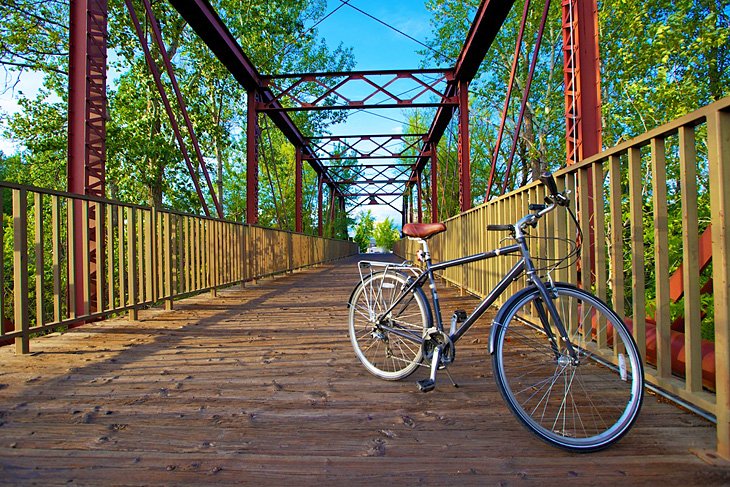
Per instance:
(427,385)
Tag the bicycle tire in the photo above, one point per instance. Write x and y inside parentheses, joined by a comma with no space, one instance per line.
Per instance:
(385,354)
(580,408)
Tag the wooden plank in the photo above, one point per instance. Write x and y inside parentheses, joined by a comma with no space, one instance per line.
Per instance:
(661,257)
(132,263)
(123,265)
(599,234)
(86,258)
(718,144)
(98,235)
(616,240)
(636,214)
(71,257)
(108,405)
(187,264)
(690,264)
(168,244)
(56,258)
(110,300)
(20,270)
(149,255)
(2,259)
(39,266)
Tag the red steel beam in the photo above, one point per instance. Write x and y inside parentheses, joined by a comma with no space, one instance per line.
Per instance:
(253,135)
(434,184)
(582,79)
(86,172)
(419,198)
(484,28)
(204,20)
(464,148)
(299,226)
(507,98)
(157,36)
(338,81)
(166,102)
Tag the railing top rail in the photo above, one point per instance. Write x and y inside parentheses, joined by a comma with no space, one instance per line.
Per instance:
(691,119)
(94,199)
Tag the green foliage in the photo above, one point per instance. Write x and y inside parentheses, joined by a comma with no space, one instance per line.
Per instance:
(386,235)
(144,163)
(364,230)
(660,60)
(541,141)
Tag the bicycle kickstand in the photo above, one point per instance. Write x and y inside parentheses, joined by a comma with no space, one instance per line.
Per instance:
(427,385)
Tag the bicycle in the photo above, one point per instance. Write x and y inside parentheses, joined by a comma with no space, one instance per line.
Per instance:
(564,361)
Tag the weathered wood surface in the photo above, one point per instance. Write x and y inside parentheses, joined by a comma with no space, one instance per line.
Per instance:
(260,386)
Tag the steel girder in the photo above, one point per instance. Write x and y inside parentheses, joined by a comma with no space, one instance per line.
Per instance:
(205,21)
(488,20)
(87,115)
(446,90)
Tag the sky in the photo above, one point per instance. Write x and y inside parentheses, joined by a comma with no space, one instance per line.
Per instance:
(375,47)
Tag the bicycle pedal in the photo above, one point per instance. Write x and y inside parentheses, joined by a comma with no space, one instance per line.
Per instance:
(426,385)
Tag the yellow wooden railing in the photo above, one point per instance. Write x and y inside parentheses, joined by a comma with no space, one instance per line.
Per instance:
(133,257)
(627,241)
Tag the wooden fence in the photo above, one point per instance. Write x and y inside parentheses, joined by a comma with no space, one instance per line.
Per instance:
(645,207)
(132,257)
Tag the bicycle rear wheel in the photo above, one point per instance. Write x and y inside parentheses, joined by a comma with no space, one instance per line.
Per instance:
(578,407)
(392,353)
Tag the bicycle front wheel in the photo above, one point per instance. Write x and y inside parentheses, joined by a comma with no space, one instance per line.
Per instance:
(584,405)
(388,346)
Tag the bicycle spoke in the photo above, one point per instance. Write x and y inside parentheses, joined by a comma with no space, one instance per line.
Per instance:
(578,403)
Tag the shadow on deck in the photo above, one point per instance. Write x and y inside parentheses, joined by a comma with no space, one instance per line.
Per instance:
(260,385)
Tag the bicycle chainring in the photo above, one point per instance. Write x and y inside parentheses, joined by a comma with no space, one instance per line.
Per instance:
(436,339)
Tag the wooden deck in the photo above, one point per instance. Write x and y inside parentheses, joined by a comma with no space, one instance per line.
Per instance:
(260,386)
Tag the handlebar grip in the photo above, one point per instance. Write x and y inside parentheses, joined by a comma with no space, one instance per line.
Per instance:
(549,181)
(499,228)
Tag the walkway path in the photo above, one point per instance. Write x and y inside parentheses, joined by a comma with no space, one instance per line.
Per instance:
(260,386)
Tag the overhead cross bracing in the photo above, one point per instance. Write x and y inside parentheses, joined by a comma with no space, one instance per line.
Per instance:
(445,90)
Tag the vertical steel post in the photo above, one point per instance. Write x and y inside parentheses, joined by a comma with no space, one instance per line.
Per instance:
(434,184)
(252,159)
(582,79)
(87,124)
(419,197)
(404,212)
(299,227)
(464,148)
(320,177)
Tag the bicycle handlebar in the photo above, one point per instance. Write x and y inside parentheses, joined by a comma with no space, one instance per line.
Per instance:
(554,199)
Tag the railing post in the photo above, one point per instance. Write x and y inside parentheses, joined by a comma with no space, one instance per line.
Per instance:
(168,290)
(718,141)
(212,258)
(638,282)
(132,262)
(20,269)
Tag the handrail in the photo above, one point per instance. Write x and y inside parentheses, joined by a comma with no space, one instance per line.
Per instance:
(133,257)
(674,178)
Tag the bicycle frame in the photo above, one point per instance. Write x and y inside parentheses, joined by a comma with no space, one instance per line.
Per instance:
(524,265)
(515,272)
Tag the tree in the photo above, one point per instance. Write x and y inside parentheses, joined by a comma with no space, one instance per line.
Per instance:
(144,164)
(541,141)
(386,235)
(364,230)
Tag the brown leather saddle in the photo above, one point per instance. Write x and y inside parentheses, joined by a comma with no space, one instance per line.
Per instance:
(423,230)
